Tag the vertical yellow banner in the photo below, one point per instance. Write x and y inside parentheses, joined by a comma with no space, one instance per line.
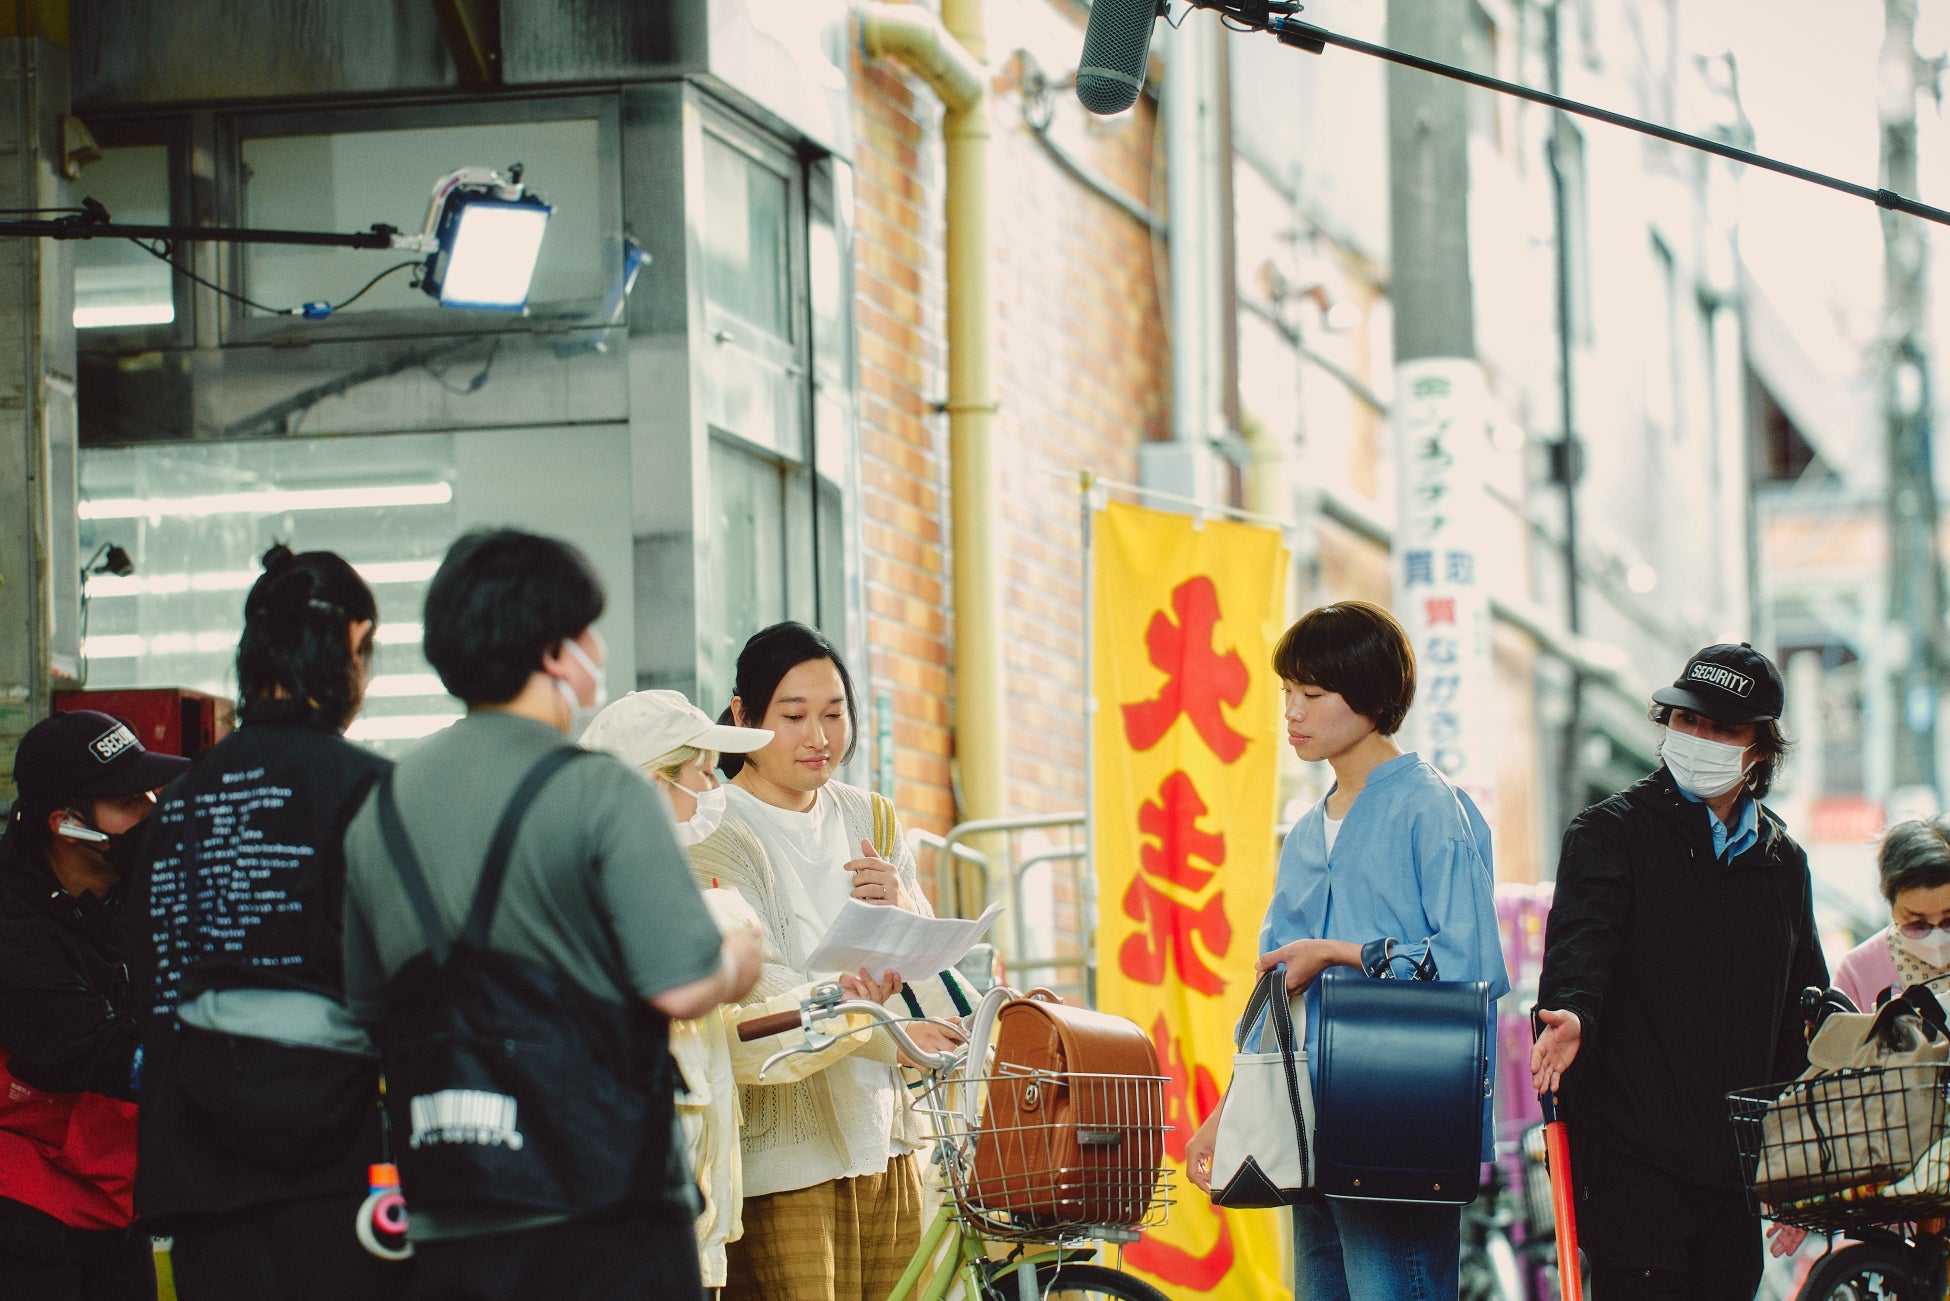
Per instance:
(1185,736)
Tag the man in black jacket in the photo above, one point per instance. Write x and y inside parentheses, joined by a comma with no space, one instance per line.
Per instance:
(1680,938)
(70,1060)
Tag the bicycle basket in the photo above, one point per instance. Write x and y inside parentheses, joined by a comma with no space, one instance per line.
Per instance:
(1056,1155)
(1846,1148)
(1539,1213)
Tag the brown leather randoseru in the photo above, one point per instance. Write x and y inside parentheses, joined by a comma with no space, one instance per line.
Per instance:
(1073,1126)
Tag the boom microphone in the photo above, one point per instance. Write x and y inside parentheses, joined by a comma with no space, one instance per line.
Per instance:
(1116,49)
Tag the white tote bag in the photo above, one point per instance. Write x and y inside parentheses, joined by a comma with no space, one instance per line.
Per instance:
(1264,1152)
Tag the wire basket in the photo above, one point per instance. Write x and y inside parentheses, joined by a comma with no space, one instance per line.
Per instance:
(1539,1212)
(1847,1148)
(1052,1156)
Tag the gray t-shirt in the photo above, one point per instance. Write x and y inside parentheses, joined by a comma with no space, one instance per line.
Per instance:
(597,887)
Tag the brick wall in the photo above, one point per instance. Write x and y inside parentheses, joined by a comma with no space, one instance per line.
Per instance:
(1082,373)
(899,309)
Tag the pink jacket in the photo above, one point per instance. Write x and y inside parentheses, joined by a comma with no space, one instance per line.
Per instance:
(1867,970)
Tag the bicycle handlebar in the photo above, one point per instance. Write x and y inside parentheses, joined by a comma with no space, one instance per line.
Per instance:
(824,1005)
(759,1027)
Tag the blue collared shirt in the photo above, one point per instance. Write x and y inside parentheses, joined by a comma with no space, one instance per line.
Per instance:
(1412,861)
(1729,845)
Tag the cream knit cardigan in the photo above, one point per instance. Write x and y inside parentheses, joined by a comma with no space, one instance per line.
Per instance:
(800,1132)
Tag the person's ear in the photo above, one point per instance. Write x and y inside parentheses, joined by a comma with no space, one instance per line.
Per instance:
(554,660)
(356,633)
(738,712)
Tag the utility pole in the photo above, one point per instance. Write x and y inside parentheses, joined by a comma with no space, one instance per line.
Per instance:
(1440,410)
(1567,453)
(1915,561)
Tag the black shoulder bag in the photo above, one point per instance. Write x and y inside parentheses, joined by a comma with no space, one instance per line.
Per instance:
(513,1087)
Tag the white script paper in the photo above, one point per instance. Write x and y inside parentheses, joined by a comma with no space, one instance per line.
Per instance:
(883,938)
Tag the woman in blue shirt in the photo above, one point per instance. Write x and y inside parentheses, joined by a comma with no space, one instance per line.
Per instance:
(1393,858)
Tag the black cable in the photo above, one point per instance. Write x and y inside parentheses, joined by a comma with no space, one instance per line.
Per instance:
(1306,36)
(397,266)
(474,385)
(311,311)
(166,253)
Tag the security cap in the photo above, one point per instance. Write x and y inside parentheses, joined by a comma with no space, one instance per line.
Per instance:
(1728,684)
(645,726)
(85,755)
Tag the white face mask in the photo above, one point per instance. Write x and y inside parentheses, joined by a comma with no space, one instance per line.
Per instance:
(707,818)
(1933,948)
(1703,768)
(579,713)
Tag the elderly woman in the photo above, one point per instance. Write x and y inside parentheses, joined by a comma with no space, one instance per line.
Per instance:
(676,746)
(1914,865)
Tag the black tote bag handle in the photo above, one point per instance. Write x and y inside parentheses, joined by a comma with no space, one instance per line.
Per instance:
(1269,997)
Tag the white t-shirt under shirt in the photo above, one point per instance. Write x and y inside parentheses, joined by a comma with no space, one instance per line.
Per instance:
(1332,826)
(809,852)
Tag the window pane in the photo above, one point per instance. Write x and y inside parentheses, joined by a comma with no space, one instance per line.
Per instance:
(196,518)
(747,542)
(116,283)
(349,181)
(745,238)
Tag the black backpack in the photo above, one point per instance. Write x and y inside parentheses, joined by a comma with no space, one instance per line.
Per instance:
(509,1086)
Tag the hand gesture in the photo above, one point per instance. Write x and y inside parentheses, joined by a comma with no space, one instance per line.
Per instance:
(862,984)
(1198,1151)
(1784,1239)
(929,1038)
(1556,1048)
(1306,959)
(874,878)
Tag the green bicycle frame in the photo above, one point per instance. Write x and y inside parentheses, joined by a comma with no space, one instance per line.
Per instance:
(965,1263)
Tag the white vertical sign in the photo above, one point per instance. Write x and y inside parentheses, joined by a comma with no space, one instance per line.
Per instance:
(1441,592)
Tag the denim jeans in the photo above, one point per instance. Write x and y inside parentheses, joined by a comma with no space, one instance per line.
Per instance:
(1376,1251)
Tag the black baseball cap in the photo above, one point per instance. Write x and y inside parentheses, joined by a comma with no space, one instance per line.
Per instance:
(85,755)
(1728,684)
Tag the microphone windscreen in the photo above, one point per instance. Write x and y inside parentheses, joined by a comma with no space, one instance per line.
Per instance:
(1116,46)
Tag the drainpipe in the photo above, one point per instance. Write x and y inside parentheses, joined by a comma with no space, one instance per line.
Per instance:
(948,53)
(1198,244)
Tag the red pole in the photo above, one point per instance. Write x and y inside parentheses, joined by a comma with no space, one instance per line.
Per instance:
(1557,1155)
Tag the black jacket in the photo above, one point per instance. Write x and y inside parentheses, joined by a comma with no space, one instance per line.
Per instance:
(64,991)
(1686,975)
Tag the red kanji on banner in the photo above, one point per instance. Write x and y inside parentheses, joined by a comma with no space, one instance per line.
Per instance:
(1172,821)
(1167,938)
(1191,1093)
(1198,679)
(1181,1268)
(1439,609)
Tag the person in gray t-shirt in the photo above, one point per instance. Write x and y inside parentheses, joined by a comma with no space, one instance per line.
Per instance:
(597,890)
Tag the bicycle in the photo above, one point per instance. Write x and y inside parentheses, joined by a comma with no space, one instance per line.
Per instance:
(1047,1256)
(1862,1178)
(1884,1263)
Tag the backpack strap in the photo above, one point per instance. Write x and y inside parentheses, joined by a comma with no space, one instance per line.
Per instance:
(412,877)
(487,895)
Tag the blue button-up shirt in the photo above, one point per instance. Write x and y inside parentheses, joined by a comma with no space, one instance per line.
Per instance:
(1412,861)
(1729,845)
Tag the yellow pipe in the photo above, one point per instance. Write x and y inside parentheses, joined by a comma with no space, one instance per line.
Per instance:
(948,54)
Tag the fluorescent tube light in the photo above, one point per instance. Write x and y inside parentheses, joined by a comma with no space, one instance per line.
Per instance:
(269,502)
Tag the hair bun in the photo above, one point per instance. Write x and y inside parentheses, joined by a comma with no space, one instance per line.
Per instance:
(278,558)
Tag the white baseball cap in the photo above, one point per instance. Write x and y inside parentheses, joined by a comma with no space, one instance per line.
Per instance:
(646,726)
